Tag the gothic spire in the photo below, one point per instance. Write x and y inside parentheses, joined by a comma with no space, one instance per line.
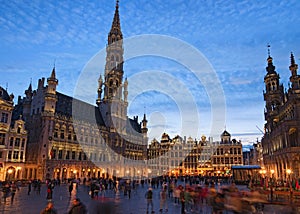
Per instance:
(270,68)
(53,75)
(115,33)
(292,59)
(293,67)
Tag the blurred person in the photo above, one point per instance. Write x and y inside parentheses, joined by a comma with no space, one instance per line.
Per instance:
(6,191)
(13,189)
(182,200)
(149,197)
(77,207)
(29,188)
(70,189)
(49,209)
(163,199)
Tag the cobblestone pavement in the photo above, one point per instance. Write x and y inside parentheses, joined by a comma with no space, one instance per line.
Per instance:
(111,203)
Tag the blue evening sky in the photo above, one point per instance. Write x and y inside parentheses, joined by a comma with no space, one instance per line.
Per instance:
(232,36)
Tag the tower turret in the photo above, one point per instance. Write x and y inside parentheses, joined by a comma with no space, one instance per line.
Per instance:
(113,104)
(294,78)
(27,101)
(50,95)
(144,126)
(273,94)
(114,59)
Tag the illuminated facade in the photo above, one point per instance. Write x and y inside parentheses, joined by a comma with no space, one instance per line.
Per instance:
(99,140)
(281,141)
(228,152)
(13,140)
(181,156)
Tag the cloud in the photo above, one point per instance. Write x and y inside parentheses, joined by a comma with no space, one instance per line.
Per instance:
(231,35)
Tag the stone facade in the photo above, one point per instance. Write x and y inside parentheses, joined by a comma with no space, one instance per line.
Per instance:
(181,156)
(281,143)
(13,140)
(69,138)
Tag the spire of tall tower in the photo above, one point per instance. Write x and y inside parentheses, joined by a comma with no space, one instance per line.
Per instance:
(270,68)
(53,75)
(293,67)
(269,55)
(113,78)
(115,33)
(292,59)
(294,78)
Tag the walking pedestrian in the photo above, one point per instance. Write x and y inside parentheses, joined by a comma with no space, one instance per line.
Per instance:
(182,200)
(6,191)
(13,190)
(128,189)
(50,191)
(78,207)
(29,188)
(149,197)
(70,188)
(163,200)
(49,209)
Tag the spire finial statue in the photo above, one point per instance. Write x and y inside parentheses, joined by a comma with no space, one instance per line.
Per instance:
(269,52)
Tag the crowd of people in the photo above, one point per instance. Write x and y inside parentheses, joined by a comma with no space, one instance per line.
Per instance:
(192,194)
(206,197)
(9,189)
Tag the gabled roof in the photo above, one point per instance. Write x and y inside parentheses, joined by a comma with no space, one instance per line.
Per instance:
(225,133)
(4,95)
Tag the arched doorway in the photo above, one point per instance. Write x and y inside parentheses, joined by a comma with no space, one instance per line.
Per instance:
(64,174)
(10,173)
(57,173)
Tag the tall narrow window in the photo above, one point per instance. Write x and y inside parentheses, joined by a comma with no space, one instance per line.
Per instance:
(2,138)
(55,133)
(60,154)
(17,142)
(4,117)
(11,142)
(68,155)
(9,155)
(62,134)
(23,143)
(16,155)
